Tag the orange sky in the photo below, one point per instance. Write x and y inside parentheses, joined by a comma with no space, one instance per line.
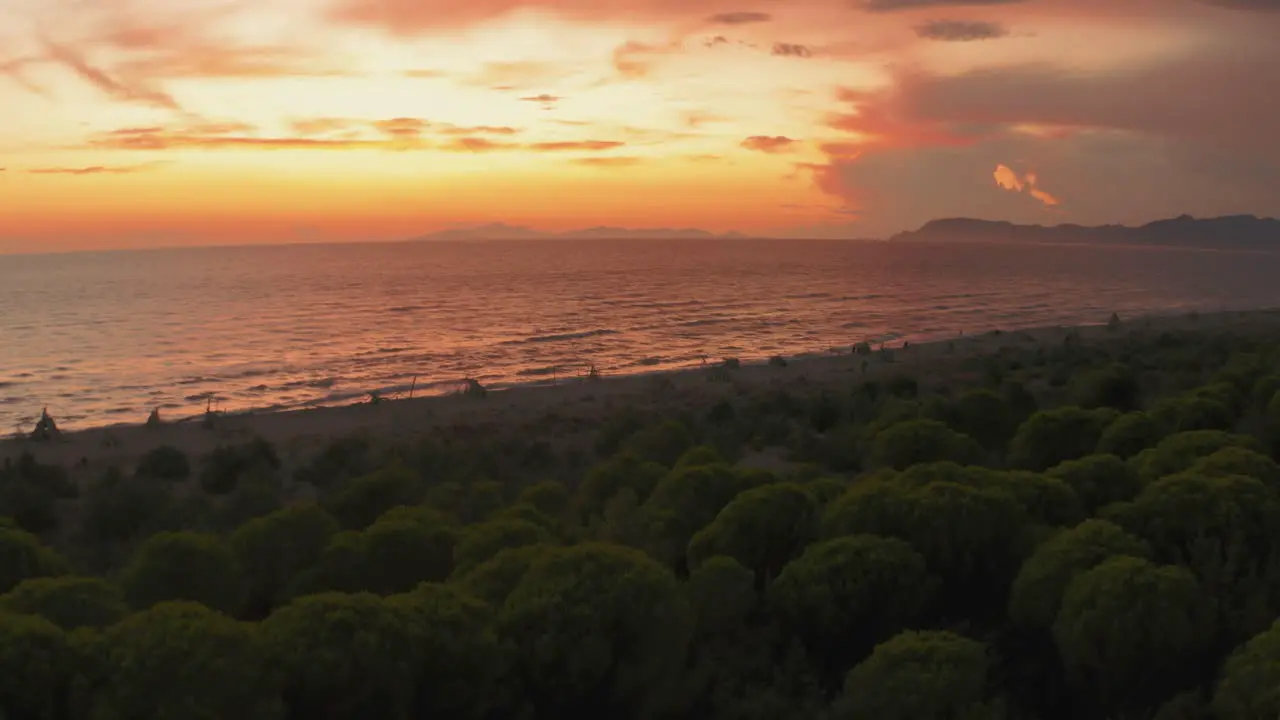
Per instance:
(127,123)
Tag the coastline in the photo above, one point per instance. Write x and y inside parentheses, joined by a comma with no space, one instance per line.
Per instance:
(298,432)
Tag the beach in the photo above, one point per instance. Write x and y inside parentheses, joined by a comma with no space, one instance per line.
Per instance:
(577,406)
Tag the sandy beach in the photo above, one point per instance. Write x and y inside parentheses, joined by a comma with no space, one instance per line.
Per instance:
(582,403)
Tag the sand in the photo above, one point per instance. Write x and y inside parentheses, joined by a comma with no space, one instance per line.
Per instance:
(584,403)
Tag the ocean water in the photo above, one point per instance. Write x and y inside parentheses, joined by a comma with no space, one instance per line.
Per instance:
(102,338)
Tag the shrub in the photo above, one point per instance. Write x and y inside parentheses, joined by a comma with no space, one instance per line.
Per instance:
(164,463)
(184,566)
(549,497)
(23,557)
(362,500)
(662,444)
(1179,452)
(341,459)
(918,674)
(69,602)
(275,549)
(1192,412)
(119,509)
(1130,434)
(1099,480)
(921,441)
(224,467)
(984,416)
(1111,387)
(1050,437)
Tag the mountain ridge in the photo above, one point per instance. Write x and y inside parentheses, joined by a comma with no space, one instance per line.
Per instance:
(502,231)
(1234,232)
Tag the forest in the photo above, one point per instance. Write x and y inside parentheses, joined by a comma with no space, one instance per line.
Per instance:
(1062,531)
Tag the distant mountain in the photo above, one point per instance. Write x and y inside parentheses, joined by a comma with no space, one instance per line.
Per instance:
(493,231)
(501,231)
(1234,232)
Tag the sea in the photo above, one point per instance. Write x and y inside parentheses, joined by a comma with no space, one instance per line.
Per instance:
(104,338)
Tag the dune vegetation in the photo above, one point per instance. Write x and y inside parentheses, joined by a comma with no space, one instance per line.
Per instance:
(1059,532)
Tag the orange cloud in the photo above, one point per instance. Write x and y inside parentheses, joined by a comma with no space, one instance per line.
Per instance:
(416,17)
(739,17)
(135,90)
(783,49)
(1007,178)
(575,145)
(960,30)
(397,134)
(620,161)
(92,170)
(897,5)
(401,127)
(767,144)
(633,60)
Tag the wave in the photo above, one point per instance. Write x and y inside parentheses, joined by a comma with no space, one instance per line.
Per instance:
(561,337)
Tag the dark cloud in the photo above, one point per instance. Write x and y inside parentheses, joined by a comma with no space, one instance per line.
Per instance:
(791,50)
(1228,105)
(739,18)
(895,5)
(543,98)
(1115,146)
(960,30)
(1251,5)
(768,144)
(1101,177)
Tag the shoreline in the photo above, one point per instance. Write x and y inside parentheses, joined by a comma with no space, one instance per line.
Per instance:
(299,431)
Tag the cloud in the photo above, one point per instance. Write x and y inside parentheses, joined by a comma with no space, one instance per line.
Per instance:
(926,109)
(321,125)
(619,161)
(564,145)
(476,145)
(767,144)
(791,50)
(544,98)
(480,144)
(1250,5)
(633,60)
(403,127)
(407,18)
(133,90)
(1009,179)
(960,30)
(443,129)
(739,18)
(393,134)
(517,74)
(93,170)
(896,5)
(15,70)
(698,118)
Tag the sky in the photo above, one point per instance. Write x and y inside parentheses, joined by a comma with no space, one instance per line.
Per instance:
(134,123)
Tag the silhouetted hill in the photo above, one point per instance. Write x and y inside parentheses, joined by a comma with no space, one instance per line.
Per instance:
(501,231)
(1235,232)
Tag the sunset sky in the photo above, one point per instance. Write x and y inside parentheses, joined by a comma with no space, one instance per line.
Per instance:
(129,123)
